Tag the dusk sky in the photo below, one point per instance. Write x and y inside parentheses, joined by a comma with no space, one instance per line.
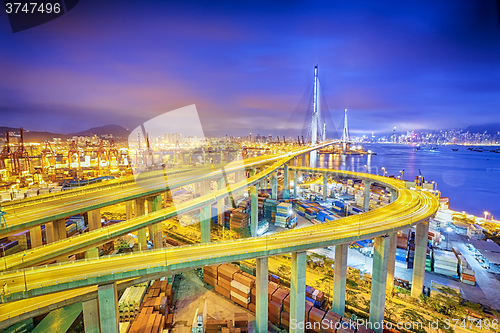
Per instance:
(410,64)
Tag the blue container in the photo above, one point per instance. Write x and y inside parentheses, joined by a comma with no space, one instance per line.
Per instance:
(338,204)
(400,258)
(329,217)
(310,300)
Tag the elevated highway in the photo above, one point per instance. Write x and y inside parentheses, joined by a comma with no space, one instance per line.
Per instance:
(410,208)
(67,279)
(28,213)
(92,239)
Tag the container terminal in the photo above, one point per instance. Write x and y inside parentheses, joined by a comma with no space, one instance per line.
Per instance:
(229,235)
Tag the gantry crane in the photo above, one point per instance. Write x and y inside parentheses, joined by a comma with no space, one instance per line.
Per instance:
(73,149)
(19,154)
(102,154)
(45,154)
(113,151)
(5,154)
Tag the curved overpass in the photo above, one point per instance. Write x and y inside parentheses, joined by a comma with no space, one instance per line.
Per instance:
(29,213)
(92,239)
(410,208)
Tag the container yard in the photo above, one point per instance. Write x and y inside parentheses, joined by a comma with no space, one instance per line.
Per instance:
(146,307)
(238,286)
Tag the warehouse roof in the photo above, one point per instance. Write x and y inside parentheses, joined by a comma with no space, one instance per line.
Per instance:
(485,245)
(492,257)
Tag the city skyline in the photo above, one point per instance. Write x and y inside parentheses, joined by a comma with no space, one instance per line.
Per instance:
(431,66)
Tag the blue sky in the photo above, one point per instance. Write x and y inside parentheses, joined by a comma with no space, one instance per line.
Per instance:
(409,64)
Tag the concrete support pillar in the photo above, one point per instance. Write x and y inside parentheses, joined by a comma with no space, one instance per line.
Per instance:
(298,290)
(220,204)
(366,197)
(36,237)
(167,198)
(156,230)
(254,210)
(307,159)
(339,279)
(313,159)
(156,235)
(108,308)
(92,253)
(261,306)
(379,281)
(128,209)
(394,195)
(205,187)
(205,214)
(286,182)
(139,210)
(262,179)
(197,188)
(391,265)
(91,316)
(50,232)
(60,233)
(296,184)
(274,185)
(94,219)
(325,186)
(417,283)
(60,229)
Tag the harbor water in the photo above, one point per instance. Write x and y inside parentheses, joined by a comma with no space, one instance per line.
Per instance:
(470,179)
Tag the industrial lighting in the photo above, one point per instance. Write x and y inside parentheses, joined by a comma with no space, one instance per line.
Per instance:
(486,214)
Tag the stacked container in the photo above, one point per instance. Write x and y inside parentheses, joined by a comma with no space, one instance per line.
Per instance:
(445,262)
(270,209)
(332,321)
(225,275)
(210,275)
(238,220)
(240,289)
(241,322)
(466,272)
(277,299)
(130,301)
(9,248)
(284,214)
(315,317)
